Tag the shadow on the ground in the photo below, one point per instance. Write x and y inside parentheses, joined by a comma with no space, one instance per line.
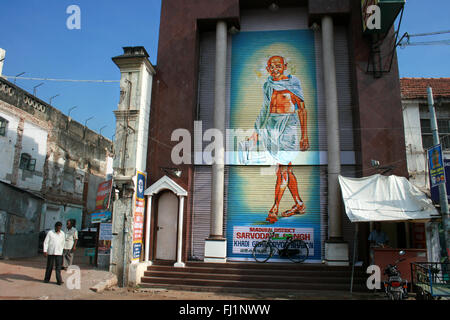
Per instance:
(9,277)
(39,261)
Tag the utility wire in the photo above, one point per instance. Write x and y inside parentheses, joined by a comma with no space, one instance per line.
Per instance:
(428,33)
(60,80)
(427,43)
(424,43)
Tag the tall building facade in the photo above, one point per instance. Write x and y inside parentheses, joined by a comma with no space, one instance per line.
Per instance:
(288,87)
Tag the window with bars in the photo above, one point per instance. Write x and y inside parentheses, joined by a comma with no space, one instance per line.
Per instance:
(3,126)
(427,134)
(27,162)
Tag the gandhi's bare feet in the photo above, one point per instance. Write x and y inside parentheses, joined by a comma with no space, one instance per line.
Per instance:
(296,209)
(273,213)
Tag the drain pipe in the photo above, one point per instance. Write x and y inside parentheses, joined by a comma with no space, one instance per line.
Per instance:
(125,233)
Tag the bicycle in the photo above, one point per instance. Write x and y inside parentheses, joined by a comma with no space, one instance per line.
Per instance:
(296,250)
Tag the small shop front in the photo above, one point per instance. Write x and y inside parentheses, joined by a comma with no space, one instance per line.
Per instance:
(401,216)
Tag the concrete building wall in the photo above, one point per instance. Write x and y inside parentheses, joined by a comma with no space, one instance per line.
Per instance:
(34,143)
(7,143)
(20,213)
(56,212)
(71,159)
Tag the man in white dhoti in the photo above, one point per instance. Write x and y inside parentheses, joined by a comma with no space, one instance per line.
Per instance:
(277,127)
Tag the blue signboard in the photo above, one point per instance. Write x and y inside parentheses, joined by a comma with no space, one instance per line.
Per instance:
(435,190)
(99,217)
(436,165)
(137,248)
(140,185)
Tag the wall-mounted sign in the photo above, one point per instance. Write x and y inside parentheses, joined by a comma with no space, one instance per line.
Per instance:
(140,185)
(435,191)
(245,237)
(139,210)
(103,195)
(105,231)
(104,238)
(137,249)
(436,165)
(100,217)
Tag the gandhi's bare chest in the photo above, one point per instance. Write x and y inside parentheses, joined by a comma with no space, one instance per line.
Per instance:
(282,102)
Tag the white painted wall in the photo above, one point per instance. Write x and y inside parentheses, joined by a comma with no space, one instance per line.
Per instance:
(34,142)
(144,117)
(109,167)
(7,146)
(415,154)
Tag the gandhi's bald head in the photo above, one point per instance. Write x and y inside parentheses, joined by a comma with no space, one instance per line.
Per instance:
(276,65)
(279,59)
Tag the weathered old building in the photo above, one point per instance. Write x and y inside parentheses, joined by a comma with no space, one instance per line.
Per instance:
(418,139)
(416,117)
(47,154)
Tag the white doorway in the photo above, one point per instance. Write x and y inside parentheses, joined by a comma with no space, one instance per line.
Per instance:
(166,226)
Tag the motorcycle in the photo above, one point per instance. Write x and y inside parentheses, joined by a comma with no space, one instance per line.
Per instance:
(395,287)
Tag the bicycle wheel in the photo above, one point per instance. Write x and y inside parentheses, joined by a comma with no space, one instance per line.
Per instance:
(297,251)
(262,251)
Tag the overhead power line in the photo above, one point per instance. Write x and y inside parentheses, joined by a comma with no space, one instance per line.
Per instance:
(407,36)
(60,80)
(427,43)
(428,33)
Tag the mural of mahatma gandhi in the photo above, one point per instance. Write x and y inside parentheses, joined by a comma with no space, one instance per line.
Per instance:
(277,127)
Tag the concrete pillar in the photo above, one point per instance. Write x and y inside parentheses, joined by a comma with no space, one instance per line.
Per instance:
(336,251)
(179,263)
(215,245)
(122,238)
(130,145)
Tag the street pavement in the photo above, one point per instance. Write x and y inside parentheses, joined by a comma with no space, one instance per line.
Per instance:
(22,279)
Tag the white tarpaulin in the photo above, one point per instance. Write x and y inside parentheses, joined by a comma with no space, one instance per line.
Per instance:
(384,198)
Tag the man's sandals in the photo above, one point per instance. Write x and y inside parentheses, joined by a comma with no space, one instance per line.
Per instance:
(296,209)
(272,217)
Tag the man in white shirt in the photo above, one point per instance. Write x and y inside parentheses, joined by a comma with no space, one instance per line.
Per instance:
(53,250)
(71,243)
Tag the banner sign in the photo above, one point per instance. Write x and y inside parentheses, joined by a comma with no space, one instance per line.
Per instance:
(245,238)
(139,210)
(99,217)
(138,227)
(436,165)
(103,195)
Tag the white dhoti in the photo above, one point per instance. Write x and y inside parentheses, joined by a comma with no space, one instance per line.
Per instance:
(281,137)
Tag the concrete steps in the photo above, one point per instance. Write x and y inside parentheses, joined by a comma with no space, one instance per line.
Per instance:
(243,277)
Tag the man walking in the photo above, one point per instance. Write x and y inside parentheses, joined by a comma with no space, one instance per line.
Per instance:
(70,244)
(53,250)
